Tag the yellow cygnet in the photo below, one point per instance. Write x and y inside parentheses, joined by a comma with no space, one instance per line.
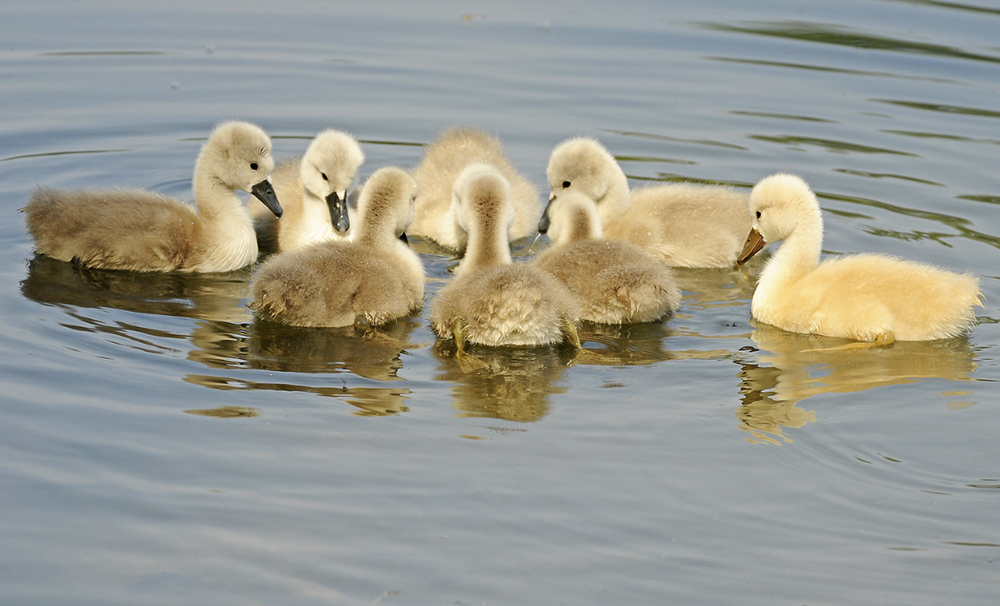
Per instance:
(138,230)
(446,157)
(371,278)
(313,194)
(493,301)
(685,225)
(865,297)
(616,282)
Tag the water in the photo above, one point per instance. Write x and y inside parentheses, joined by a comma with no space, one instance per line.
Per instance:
(158,446)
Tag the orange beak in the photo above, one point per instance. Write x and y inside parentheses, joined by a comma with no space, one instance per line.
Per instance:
(754,243)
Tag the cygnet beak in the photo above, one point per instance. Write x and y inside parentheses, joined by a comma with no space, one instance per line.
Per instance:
(264,192)
(338,211)
(543,222)
(403,239)
(754,243)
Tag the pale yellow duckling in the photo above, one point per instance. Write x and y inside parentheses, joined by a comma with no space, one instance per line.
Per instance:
(138,230)
(372,278)
(685,225)
(313,194)
(616,282)
(446,157)
(493,301)
(865,297)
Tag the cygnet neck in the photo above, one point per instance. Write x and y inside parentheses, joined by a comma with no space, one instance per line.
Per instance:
(488,243)
(575,222)
(797,256)
(375,225)
(615,201)
(214,198)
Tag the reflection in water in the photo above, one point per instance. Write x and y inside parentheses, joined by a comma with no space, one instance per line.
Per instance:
(218,297)
(797,369)
(705,288)
(226,412)
(368,401)
(622,345)
(375,353)
(843,36)
(502,383)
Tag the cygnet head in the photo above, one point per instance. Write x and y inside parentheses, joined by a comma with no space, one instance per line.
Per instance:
(781,205)
(238,154)
(327,169)
(582,165)
(481,198)
(385,206)
(573,217)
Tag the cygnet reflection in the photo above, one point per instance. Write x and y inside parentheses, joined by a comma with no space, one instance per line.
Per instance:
(513,384)
(792,367)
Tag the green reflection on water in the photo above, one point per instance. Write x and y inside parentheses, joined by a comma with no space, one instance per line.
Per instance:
(832,145)
(864,173)
(834,70)
(953,5)
(842,36)
(920,135)
(629,133)
(942,108)
(782,116)
(66,153)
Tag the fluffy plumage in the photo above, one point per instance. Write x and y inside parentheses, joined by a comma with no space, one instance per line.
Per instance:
(144,231)
(615,282)
(866,297)
(454,150)
(372,278)
(493,301)
(685,225)
(313,194)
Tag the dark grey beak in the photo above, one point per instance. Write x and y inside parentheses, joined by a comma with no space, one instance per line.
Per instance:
(264,192)
(403,239)
(543,223)
(338,212)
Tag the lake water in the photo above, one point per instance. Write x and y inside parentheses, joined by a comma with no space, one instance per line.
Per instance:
(157,446)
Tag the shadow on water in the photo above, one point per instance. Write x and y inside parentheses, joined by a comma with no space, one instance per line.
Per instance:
(787,369)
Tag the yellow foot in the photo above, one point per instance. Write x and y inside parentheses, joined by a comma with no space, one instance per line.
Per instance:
(458,333)
(883,339)
(569,330)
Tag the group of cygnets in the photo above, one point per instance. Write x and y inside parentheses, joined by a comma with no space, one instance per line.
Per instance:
(609,260)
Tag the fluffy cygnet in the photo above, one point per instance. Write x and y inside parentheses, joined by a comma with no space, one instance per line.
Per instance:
(616,282)
(372,278)
(313,194)
(866,297)
(446,157)
(686,225)
(493,301)
(138,230)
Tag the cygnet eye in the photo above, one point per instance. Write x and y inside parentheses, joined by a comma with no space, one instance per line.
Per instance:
(565,184)
(758,214)
(324,176)
(253,166)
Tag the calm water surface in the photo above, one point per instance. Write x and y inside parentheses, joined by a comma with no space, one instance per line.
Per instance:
(160,446)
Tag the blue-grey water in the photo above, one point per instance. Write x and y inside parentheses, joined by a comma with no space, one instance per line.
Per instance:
(158,446)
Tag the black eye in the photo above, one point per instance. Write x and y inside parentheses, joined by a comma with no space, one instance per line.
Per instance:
(758,214)
(565,184)
(253,166)
(324,177)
